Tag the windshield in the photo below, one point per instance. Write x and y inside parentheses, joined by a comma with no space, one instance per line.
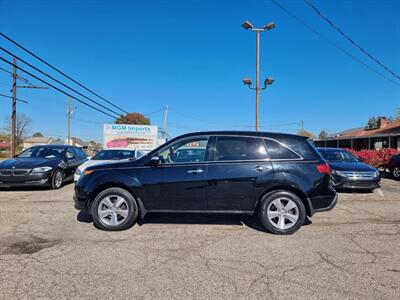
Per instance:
(338,156)
(43,152)
(114,154)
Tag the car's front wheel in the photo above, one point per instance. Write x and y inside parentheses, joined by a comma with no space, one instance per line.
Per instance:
(57,179)
(396,173)
(114,209)
(282,212)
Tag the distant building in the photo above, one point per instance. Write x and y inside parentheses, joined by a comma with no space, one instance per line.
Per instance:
(36,141)
(4,146)
(387,135)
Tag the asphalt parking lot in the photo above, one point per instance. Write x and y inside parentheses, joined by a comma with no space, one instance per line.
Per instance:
(48,250)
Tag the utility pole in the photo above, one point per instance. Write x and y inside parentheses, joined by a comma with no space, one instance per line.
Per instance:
(165,122)
(14,104)
(302,127)
(70,110)
(14,110)
(247,25)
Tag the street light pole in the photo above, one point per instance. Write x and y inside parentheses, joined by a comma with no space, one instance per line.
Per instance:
(257,78)
(247,25)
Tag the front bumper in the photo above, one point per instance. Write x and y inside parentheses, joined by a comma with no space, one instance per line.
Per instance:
(346,183)
(39,179)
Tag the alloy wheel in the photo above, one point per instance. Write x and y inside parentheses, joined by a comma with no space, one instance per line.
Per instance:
(113,210)
(283,213)
(396,172)
(58,179)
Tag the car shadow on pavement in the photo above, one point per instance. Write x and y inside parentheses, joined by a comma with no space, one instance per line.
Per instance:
(30,188)
(193,219)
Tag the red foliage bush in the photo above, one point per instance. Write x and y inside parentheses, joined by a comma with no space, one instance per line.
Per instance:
(376,158)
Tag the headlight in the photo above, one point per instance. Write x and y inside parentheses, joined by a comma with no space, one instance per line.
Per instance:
(78,171)
(336,172)
(376,173)
(41,169)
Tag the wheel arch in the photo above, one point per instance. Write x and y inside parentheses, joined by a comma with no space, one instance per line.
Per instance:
(288,188)
(107,185)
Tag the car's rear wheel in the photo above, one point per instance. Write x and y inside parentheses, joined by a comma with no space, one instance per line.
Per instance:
(57,179)
(396,173)
(114,209)
(282,212)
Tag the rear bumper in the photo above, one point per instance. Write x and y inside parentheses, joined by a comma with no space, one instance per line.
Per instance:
(323,202)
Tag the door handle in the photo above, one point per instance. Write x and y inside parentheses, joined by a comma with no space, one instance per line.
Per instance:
(259,168)
(195,171)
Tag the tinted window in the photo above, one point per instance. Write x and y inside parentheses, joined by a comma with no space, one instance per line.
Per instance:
(300,146)
(70,154)
(114,154)
(338,155)
(278,151)
(79,153)
(240,148)
(44,152)
(185,151)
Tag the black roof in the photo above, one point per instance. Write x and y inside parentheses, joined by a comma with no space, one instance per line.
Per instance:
(245,133)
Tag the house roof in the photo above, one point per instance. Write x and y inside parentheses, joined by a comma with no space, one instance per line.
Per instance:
(393,127)
(4,145)
(37,139)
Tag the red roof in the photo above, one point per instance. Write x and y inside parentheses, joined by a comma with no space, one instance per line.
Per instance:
(4,145)
(392,127)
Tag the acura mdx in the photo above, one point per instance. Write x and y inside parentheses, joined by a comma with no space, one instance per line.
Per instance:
(281,178)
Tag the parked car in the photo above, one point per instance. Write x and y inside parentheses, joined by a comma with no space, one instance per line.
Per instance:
(394,166)
(47,165)
(348,171)
(107,156)
(279,177)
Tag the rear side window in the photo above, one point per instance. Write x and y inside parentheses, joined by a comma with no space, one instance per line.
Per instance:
(302,147)
(278,151)
(240,148)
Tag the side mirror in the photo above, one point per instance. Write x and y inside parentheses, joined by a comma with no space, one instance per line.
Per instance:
(154,161)
(15,156)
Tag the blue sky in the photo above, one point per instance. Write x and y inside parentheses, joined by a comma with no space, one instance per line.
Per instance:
(192,55)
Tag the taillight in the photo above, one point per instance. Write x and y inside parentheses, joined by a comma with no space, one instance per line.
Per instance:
(324,168)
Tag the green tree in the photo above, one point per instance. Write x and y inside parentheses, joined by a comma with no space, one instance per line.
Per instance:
(37,134)
(372,124)
(323,135)
(133,118)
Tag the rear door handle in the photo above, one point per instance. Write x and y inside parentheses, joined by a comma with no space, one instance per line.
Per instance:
(195,171)
(259,168)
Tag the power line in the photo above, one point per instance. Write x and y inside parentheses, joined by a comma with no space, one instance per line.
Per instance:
(18,77)
(332,43)
(59,82)
(58,89)
(59,71)
(350,39)
(12,97)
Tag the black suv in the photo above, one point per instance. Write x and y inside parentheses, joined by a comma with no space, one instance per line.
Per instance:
(279,177)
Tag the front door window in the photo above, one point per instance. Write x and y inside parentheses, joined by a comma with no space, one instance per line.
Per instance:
(187,151)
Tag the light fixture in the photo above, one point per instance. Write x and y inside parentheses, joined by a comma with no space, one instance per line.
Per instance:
(247,81)
(247,25)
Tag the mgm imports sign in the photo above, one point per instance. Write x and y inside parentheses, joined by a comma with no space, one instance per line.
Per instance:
(142,137)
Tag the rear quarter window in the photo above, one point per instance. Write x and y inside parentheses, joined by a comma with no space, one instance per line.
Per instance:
(278,151)
(302,147)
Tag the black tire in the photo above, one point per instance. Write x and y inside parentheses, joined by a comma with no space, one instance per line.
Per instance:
(285,196)
(57,179)
(132,207)
(396,172)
